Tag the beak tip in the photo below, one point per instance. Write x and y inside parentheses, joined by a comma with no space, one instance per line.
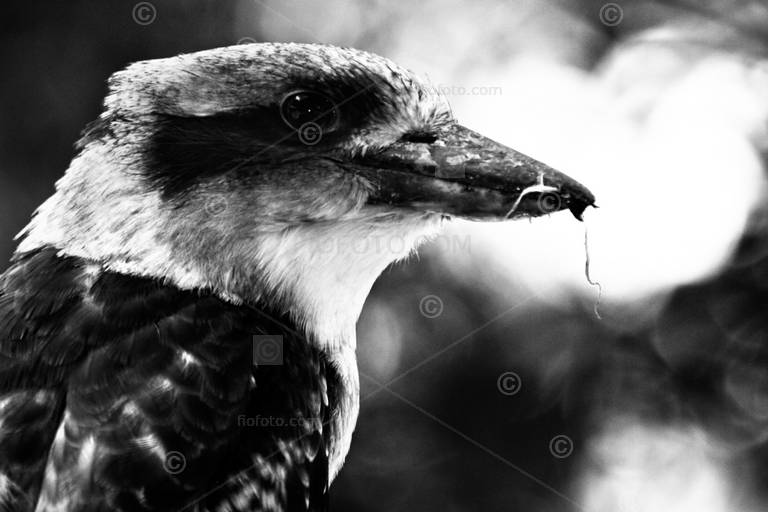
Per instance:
(578,213)
(578,206)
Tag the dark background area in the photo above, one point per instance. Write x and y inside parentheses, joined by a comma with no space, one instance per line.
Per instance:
(662,404)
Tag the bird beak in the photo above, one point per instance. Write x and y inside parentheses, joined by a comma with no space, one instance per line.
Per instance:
(465,174)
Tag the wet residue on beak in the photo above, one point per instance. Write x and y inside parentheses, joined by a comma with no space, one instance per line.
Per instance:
(540,188)
(551,199)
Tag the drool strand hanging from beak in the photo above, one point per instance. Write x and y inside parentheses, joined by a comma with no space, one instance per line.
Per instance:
(587,273)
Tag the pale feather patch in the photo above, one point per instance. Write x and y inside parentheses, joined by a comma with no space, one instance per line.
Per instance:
(326,271)
(187,359)
(51,499)
(6,489)
(87,454)
(152,444)
(104,213)
(345,417)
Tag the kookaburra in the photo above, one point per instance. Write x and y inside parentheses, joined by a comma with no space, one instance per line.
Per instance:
(223,198)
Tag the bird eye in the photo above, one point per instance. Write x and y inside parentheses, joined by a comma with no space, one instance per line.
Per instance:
(302,110)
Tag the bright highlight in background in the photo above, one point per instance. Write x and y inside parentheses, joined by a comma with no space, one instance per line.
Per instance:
(667,151)
(644,468)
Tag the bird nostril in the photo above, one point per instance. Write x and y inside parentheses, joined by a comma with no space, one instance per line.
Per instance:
(422,137)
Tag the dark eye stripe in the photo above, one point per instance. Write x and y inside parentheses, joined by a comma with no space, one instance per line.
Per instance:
(185,151)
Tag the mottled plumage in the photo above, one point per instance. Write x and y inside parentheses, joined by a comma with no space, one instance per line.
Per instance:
(114,373)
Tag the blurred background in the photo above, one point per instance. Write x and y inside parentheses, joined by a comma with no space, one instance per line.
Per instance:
(492,379)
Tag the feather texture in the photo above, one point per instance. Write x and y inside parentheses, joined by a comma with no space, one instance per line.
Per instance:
(122,393)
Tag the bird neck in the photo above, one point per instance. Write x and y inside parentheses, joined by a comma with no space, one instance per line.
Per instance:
(323,272)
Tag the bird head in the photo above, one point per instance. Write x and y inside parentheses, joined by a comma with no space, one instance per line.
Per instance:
(286,173)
